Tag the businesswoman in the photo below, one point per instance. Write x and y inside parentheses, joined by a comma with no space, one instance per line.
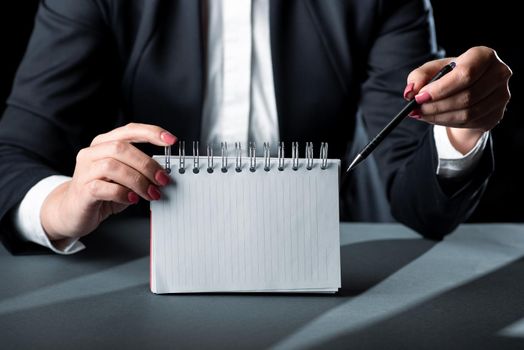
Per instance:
(105,83)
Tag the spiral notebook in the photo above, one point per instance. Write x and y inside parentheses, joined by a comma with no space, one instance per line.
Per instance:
(247,224)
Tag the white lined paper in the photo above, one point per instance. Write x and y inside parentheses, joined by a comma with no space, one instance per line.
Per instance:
(247,232)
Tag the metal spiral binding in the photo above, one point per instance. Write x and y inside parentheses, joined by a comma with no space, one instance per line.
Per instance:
(267,156)
(196,158)
(167,165)
(294,155)
(182,157)
(309,155)
(252,156)
(210,159)
(281,156)
(223,146)
(323,157)
(238,157)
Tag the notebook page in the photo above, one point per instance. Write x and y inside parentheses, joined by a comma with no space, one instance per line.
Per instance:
(247,231)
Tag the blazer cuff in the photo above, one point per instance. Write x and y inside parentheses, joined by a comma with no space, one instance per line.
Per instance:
(432,206)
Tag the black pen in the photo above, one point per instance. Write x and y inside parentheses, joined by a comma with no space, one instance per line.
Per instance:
(366,151)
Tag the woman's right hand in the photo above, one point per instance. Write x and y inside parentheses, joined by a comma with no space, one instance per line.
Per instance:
(109,175)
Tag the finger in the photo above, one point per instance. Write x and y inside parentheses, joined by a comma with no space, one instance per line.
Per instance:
(135,132)
(470,67)
(106,191)
(117,208)
(419,77)
(127,154)
(110,169)
(466,98)
(483,115)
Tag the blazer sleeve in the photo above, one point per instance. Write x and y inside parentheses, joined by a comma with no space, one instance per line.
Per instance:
(407,159)
(63,95)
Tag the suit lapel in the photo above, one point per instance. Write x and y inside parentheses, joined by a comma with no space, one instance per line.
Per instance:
(312,69)
(329,21)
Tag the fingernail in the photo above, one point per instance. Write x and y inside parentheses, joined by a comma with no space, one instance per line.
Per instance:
(132,197)
(408,91)
(167,137)
(415,114)
(153,192)
(161,177)
(416,111)
(423,97)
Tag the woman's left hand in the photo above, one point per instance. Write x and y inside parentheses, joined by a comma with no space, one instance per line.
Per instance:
(469,100)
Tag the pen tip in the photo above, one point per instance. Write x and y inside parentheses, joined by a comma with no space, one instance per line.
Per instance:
(354,163)
(452,64)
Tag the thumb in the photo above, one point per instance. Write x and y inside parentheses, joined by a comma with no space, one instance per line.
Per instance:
(419,77)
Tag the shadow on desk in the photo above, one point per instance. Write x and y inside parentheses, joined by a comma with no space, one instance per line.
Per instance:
(109,248)
(451,320)
(133,317)
(366,264)
(100,296)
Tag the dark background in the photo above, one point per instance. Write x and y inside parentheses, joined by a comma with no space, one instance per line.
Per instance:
(460,25)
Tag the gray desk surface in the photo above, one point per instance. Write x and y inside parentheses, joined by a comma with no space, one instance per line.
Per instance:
(399,291)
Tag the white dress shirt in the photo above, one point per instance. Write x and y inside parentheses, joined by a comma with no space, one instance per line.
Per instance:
(239,105)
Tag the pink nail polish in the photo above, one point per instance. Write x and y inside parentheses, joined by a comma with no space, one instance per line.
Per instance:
(153,192)
(132,197)
(423,97)
(416,111)
(162,177)
(168,137)
(408,91)
(415,116)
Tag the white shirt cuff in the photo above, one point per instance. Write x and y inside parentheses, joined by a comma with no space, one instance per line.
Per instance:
(452,163)
(27,217)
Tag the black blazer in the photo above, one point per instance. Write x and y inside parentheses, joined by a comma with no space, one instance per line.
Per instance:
(92,65)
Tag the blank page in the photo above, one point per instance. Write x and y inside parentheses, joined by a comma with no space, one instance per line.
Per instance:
(262,231)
